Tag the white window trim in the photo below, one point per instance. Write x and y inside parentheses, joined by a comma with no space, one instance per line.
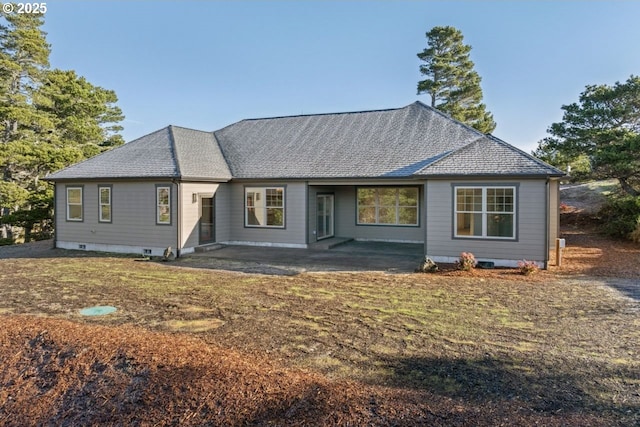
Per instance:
(100,205)
(484,212)
(158,205)
(261,194)
(81,204)
(397,208)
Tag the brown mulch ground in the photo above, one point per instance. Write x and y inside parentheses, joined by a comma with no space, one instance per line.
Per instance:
(590,253)
(59,372)
(55,372)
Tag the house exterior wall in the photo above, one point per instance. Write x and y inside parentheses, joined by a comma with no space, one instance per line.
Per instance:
(531,223)
(190,211)
(223,213)
(313,209)
(133,225)
(294,232)
(554,211)
(346,214)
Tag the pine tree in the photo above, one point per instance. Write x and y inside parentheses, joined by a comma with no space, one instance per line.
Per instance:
(49,119)
(451,81)
(603,127)
(24,57)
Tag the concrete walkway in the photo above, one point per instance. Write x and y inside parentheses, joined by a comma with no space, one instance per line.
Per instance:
(349,256)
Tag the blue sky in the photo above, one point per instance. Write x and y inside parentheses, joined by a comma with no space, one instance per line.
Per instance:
(208,64)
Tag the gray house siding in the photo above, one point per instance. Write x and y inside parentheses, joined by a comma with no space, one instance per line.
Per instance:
(295,218)
(191,211)
(223,213)
(530,224)
(346,214)
(554,211)
(133,224)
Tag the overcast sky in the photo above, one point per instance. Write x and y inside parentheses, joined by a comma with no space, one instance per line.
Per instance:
(205,65)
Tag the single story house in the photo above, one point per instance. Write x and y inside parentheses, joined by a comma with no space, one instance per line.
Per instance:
(408,174)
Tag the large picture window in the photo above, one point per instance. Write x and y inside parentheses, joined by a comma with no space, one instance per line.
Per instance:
(388,206)
(105,204)
(74,204)
(485,212)
(163,205)
(264,207)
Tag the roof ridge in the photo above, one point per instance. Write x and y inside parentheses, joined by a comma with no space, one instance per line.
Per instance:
(174,150)
(193,129)
(531,157)
(340,113)
(448,116)
(455,151)
(224,156)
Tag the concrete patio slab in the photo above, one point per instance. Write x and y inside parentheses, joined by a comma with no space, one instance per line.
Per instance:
(349,256)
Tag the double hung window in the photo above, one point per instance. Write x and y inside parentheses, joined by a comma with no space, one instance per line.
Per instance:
(485,212)
(74,204)
(104,193)
(264,207)
(163,205)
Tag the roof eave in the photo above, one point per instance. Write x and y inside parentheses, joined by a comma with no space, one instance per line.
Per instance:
(112,178)
(492,175)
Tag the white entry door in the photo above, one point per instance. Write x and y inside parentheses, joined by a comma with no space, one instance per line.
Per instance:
(325,216)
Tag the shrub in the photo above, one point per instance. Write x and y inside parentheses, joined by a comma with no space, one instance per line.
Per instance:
(427,266)
(620,217)
(528,267)
(6,242)
(467,261)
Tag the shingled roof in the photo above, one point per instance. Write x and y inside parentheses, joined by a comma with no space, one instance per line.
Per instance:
(413,141)
(171,152)
(488,156)
(382,143)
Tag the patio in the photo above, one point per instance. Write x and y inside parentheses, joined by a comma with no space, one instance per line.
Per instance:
(346,256)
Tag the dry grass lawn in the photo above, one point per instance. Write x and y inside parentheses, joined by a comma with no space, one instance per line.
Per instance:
(193,347)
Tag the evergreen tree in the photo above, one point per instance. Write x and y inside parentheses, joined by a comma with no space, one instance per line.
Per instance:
(49,119)
(451,81)
(84,115)
(603,125)
(24,55)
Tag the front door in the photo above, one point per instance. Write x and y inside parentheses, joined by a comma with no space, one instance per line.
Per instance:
(325,216)
(207,220)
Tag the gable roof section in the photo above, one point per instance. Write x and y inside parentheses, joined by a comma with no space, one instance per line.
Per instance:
(198,155)
(171,152)
(381,143)
(488,156)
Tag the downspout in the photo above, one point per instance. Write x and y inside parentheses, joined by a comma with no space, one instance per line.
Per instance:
(179,218)
(426,228)
(55,217)
(306,228)
(547,202)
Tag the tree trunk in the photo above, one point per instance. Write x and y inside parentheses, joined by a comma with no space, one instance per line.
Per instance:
(28,229)
(627,188)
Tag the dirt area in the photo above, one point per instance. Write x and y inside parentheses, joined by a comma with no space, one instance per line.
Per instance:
(587,198)
(588,252)
(190,346)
